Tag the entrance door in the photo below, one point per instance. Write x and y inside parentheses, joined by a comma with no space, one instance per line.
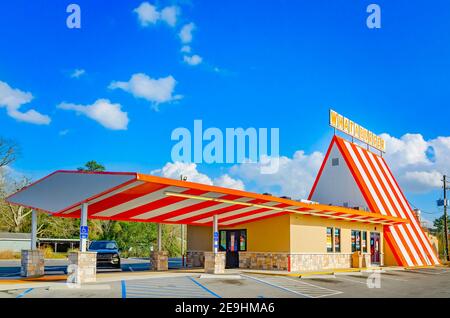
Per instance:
(231,242)
(375,247)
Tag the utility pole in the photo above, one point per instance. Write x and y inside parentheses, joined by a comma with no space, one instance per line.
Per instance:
(445,218)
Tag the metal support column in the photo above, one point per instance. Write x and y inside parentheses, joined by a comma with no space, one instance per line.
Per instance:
(83,222)
(159,237)
(182,246)
(215,234)
(33,229)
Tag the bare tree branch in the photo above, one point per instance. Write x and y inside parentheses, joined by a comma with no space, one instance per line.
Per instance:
(8,152)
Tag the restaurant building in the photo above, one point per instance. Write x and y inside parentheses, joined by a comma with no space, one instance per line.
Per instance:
(356,215)
(350,177)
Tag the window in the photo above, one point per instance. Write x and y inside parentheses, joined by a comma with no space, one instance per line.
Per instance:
(335,162)
(223,240)
(356,241)
(243,240)
(364,242)
(329,239)
(337,240)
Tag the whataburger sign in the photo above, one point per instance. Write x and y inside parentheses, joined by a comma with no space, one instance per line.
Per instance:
(353,129)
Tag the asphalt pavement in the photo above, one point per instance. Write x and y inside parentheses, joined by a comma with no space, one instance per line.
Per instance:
(412,283)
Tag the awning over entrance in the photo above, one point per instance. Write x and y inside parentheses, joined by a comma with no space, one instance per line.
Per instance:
(146,198)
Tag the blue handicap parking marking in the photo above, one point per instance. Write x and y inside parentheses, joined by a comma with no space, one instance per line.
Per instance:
(166,287)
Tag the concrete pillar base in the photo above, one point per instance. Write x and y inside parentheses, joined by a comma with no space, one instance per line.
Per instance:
(366,260)
(82,267)
(160,260)
(32,263)
(215,262)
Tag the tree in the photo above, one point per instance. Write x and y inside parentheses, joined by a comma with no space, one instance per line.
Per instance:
(439,224)
(8,152)
(92,166)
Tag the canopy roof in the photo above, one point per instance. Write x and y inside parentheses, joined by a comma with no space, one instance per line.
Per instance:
(130,196)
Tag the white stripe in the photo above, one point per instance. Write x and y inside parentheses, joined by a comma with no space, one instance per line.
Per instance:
(108,195)
(366,179)
(408,210)
(175,206)
(206,210)
(400,245)
(397,205)
(236,212)
(145,199)
(374,196)
(391,209)
(249,217)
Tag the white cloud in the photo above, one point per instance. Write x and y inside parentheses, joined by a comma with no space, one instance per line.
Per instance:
(170,15)
(294,178)
(148,14)
(420,181)
(77,73)
(228,182)
(102,111)
(175,170)
(418,164)
(186,33)
(156,91)
(13,99)
(193,60)
(186,49)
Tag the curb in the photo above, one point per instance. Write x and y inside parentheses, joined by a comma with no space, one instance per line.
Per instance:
(320,273)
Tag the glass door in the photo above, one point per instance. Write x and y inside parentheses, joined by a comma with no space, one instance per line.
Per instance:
(375,247)
(231,242)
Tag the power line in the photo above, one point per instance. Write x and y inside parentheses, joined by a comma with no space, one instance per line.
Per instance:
(422,211)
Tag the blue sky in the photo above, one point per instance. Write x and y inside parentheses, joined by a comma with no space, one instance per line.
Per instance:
(266,64)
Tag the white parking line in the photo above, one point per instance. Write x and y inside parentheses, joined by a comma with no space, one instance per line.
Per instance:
(296,286)
(428,271)
(325,291)
(353,280)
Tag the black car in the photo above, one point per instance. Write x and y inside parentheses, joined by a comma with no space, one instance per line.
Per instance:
(107,253)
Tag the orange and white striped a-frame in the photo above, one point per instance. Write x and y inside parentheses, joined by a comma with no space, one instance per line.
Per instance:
(382,194)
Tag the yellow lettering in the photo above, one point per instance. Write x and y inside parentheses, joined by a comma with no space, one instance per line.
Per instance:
(333,118)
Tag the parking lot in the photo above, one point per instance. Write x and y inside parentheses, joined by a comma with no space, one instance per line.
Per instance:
(426,282)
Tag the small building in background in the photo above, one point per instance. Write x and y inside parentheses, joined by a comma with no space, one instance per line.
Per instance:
(14,242)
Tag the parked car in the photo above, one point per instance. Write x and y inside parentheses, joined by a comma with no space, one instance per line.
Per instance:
(107,253)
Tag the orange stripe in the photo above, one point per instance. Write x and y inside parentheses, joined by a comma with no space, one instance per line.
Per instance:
(357,176)
(394,247)
(410,237)
(410,215)
(378,194)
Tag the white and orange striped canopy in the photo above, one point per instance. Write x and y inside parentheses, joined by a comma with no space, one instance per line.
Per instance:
(147,198)
(383,195)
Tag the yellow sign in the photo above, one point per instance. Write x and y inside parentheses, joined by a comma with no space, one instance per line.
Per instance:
(353,129)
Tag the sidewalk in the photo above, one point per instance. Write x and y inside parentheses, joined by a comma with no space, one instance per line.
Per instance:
(58,280)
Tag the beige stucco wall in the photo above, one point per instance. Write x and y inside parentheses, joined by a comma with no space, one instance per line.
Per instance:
(199,238)
(268,235)
(308,234)
(286,234)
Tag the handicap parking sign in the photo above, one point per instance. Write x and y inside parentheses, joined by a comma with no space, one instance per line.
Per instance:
(216,239)
(84,232)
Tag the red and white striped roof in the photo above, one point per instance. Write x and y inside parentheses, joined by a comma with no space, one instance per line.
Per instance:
(147,198)
(383,195)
